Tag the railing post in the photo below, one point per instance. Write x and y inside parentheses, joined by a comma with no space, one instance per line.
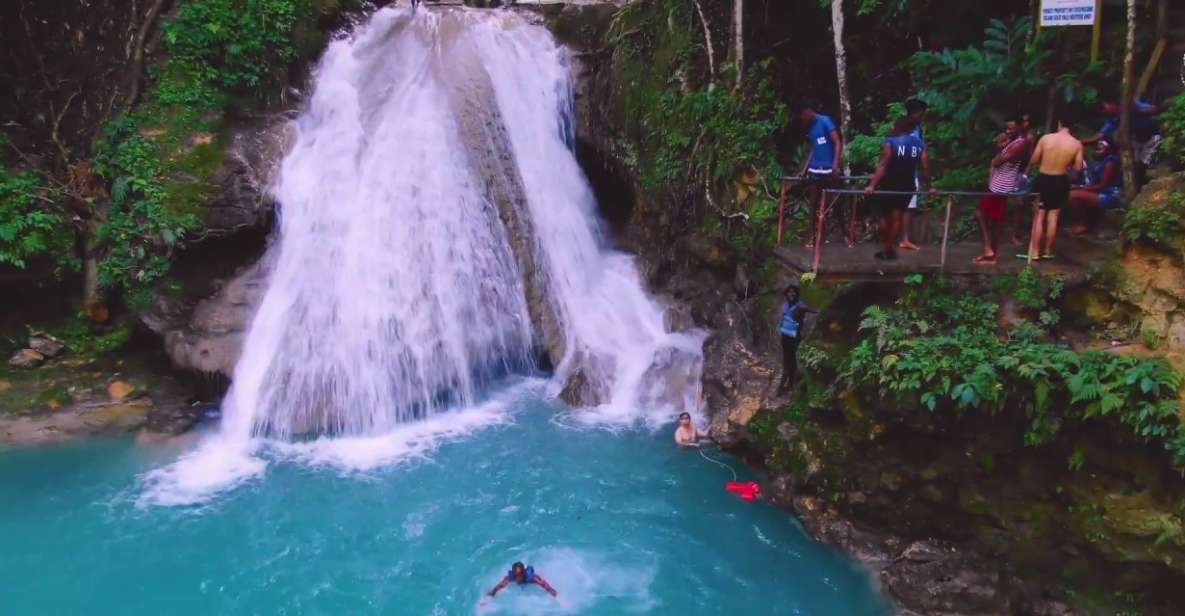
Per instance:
(821,219)
(782,209)
(945,234)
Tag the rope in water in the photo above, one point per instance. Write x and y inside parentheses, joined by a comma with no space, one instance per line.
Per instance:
(719,463)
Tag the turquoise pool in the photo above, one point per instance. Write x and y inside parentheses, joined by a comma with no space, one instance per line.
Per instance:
(620,521)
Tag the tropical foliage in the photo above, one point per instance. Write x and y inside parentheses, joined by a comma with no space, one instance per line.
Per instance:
(1160,225)
(31,224)
(222,56)
(1172,121)
(939,350)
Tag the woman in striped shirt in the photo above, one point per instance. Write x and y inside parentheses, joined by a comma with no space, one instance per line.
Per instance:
(1005,180)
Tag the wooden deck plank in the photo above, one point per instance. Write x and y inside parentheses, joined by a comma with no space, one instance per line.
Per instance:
(1074,256)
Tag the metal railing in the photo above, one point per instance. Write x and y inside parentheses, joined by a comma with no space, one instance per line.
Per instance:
(832,196)
(791,181)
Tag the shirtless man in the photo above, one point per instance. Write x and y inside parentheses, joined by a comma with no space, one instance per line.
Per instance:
(687,434)
(1055,155)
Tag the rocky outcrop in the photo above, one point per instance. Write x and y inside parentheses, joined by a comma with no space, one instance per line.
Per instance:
(205,335)
(927,576)
(225,276)
(492,159)
(250,163)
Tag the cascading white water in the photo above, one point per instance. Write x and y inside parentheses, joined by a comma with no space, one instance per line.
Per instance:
(396,290)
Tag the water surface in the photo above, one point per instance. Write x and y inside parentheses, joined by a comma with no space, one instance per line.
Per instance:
(619,521)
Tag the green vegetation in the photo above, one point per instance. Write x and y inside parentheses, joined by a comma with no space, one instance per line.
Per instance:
(691,133)
(1161,226)
(231,53)
(89,339)
(222,56)
(1172,121)
(32,226)
(940,349)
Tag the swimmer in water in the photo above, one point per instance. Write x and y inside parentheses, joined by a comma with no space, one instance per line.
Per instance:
(522,575)
(687,434)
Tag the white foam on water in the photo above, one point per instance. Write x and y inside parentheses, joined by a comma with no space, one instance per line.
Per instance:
(583,579)
(410,441)
(216,465)
(219,464)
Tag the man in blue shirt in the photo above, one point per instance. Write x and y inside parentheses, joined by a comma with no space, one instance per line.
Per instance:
(822,166)
(1145,132)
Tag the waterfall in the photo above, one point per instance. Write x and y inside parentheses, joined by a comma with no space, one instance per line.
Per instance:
(435,230)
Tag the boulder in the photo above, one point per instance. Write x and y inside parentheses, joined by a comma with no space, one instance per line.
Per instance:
(46,344)
(27,359)
(119,390)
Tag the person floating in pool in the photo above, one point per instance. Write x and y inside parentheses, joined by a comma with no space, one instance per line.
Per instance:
(687,434)
(522,575)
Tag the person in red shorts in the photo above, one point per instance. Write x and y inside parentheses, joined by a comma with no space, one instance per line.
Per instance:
(1004,180)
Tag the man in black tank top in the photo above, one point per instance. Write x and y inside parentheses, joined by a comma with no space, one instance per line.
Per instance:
(901,157)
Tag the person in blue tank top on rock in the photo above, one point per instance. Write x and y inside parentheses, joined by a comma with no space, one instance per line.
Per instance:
(522,575)
(1103,190)
(794,311)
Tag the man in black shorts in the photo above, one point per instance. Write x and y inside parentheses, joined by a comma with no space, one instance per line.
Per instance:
(822,166)
(1056,154)
(901,156)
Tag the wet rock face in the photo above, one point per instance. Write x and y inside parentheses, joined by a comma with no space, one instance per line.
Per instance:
(206,336)
(203,328)
(251,161)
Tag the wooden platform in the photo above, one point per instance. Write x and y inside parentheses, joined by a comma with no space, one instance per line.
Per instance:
(1074,257)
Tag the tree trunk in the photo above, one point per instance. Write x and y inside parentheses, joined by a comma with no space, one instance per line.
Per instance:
(93,305)
(137,68)
(1127,155)
(841,71)
(738,41)
(708,44)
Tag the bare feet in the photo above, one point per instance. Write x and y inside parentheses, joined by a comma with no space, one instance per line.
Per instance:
(1079,230)
(908,245)
(1017,241)
(984,260)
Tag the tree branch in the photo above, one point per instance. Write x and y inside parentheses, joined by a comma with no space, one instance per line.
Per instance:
(708,43)
(138,54)
(55,133)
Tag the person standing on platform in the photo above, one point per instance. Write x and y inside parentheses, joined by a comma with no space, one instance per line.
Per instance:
(915,110)
(903,157)
(821,170)
(1056,154)
(1004,180)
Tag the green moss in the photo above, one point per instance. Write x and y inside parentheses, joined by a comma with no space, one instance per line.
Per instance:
(56,396)
(203,159)
(187,198)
